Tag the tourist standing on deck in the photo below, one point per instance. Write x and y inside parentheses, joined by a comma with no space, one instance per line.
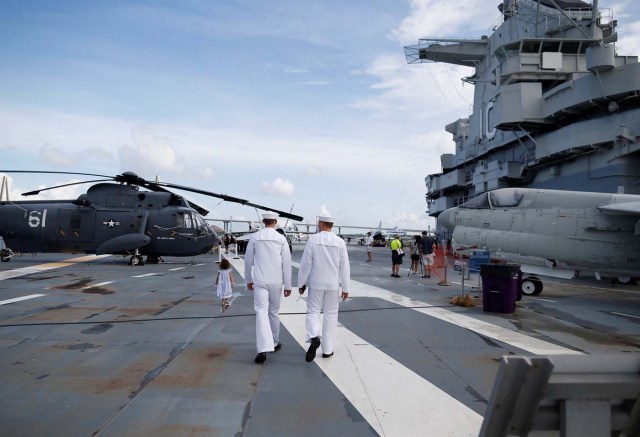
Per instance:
(267,268)
(396,256)
(416,247)
(325,269)
(427,253)
(369,244)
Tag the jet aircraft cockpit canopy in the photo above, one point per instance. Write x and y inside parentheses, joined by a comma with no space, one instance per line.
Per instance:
(506,198)
(503,198)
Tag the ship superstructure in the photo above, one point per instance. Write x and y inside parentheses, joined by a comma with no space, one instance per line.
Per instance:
(554,105)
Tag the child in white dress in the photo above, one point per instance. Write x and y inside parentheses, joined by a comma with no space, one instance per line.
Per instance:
(224,282)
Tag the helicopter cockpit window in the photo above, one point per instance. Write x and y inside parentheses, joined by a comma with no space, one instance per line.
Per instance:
(506,198)
(188,221)
(200,221)
(480,202)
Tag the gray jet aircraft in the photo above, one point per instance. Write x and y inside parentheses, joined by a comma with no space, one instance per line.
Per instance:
(550,232)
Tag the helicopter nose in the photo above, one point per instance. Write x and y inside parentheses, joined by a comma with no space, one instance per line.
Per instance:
(446,219)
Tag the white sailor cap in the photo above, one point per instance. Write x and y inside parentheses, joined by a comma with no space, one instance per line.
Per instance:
(270,215)
(326,219)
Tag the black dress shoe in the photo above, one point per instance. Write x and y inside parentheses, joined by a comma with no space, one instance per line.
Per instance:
(261,357)
(327,355)
(277,347)
(311,352)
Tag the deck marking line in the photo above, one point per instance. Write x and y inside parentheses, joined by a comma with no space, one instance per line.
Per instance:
(23,271)
(18,299)
(369,379)
(99,284)
(625,315)
(177,268)
(145,275)
(476,324)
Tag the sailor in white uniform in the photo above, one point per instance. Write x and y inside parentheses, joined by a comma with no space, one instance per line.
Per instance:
(325,269)
(267,268)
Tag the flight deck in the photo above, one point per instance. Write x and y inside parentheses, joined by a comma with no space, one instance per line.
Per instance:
(93,346)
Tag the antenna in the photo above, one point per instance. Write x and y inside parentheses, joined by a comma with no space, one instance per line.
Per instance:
(4,189)
(287,222)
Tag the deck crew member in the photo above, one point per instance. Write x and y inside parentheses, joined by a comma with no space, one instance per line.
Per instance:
(267,268)
(325,269)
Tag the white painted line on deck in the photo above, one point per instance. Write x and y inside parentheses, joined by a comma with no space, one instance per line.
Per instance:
(145,275)
(14,273)
(177,268)
(625,315)
(369,378)
(18,299)
(99,284)
(513,338)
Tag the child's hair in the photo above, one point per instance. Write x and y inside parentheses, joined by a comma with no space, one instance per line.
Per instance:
(225,264)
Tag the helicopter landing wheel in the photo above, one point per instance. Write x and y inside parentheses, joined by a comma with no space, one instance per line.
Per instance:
(6,255)
(136,260)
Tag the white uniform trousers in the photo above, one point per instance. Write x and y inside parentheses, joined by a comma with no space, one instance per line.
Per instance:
(266,303)
(324,326)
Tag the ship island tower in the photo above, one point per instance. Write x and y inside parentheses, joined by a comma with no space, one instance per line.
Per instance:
(555,106)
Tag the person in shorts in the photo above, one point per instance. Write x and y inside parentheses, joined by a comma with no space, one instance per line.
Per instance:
(427,248)
(369,244)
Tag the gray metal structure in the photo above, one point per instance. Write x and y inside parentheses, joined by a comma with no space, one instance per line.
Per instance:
(575,395)
(555,106)
(551,232)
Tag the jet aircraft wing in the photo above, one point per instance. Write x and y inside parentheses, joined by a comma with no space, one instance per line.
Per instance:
(623,208)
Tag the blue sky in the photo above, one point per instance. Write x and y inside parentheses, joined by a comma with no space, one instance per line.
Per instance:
(309,103)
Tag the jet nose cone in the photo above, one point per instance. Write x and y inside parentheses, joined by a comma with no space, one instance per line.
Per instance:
(445,219)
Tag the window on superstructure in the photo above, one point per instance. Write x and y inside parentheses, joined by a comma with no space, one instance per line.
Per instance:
(550,46)
(572,47)
(530,46)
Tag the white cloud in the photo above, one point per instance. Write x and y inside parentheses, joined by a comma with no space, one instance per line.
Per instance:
(151,154)
(438,18)
(418,92)
(278,187)
(15,191)
(205,172)
(56,156)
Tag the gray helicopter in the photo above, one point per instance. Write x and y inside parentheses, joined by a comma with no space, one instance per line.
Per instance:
(114,216)
(551,233)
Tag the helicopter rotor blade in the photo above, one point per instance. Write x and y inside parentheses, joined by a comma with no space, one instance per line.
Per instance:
(56,172)
(34,192)
(231,199)
(206,193)
(280,213)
